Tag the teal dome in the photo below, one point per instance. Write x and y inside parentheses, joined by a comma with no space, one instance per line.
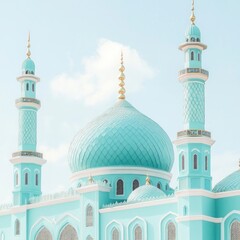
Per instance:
(193,34)
(122,136)
(28,66)
(145,192)
(229,183)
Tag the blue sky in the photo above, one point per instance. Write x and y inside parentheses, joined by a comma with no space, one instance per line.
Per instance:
(76,48)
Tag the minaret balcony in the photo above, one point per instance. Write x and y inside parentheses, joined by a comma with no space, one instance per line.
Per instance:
(185,46)
(28,77)
(28,102)
(194,133)
(189,73)
(27,157)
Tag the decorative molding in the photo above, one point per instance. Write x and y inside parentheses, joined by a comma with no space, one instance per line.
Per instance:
(93,188)
(121,170)
(185,140)
(114,223)
(198,218)
(139,205)
(185,46)
(28,104)
(186,76)
(34,160)
(30,77)
(205,193)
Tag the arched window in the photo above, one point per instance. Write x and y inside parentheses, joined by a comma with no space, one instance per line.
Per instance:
(183,162)
(192,39)
(120,187)
(199,57)
(198,40)
(17,227)
(69,233)
(171,230)
(195,161)
(135,184)
(26,178)
(36,179)
(105,181)
(89,216)
(184,210)
(192,55)
(44,234)
(235,230)
(206,163)
(115,234)
(33,87)
(159,185)
(138,233)
(89,237)
(27,86)
(16,178)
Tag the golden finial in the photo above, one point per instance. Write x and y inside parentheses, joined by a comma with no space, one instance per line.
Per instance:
(28,46)
(193,18)
(90,179)
(121,78)
(148,181)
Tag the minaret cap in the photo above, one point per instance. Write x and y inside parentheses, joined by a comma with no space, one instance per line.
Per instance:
(193,18)
(121,78)
(28,46)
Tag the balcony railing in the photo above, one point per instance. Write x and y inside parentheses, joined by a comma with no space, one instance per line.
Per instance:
(194,133)
(28,100)
(27,154)
(193,70)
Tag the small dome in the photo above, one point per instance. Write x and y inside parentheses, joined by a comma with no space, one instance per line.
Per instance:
(122,136)
(28,66)
(229,183)
(193,34)
(145,192)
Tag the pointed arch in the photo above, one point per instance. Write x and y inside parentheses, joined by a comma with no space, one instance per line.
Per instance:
(171,231)
(192,55)
(138,234)
(89,237)
(17,227)
(114,230)
(44,234)
(89,216)
(235,230)
(115,234)
(135,184)
(68,233)
(137,229)
(120,187)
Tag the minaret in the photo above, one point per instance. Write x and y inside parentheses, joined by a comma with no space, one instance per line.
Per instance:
(27,161)
(194,142)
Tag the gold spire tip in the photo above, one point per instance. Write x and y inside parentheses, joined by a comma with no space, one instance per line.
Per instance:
(121,78)
(148,181)
(193,18)
(28,46)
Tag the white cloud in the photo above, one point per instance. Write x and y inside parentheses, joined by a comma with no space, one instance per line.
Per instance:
(54,154)
(99,79)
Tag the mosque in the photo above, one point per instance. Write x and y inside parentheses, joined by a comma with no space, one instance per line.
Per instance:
(121,163)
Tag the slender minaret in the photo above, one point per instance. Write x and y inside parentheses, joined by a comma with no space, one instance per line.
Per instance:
(194,142)
(27,161)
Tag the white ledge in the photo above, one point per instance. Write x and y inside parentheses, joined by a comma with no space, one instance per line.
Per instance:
(28,159)
(28,77)
(198,218)
(121,170)
(186,76)
(187,45)
(185,140)
(28,104)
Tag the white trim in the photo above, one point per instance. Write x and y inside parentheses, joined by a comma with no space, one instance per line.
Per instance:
(198,218)
(187,45)
(26,159)
(93,188)
(185,140)
(186,76)
(42,219)
(195,150)
(205,193)
(139,205)
(28,104)
(121,170)
(30,77)
(60,219)
(137,219)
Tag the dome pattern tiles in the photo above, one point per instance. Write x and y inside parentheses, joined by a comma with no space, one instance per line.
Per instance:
(229,183)
(122,136)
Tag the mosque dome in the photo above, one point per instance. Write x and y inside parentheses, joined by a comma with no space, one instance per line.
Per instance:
(229,183)
(122,136)
(145,192)
(28,66)
(193,34)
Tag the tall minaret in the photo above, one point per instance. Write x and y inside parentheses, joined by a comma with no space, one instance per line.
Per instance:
(194,142)
(27,161)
